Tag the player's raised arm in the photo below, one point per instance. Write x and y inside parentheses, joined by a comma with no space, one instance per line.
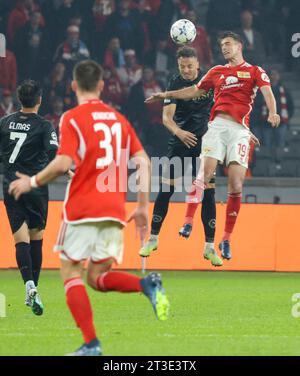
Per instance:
(186,93)
(268,95)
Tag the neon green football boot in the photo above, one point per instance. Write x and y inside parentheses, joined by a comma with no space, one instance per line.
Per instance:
(151,246)
(211,254)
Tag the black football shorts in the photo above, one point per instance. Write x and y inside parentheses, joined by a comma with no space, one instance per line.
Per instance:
(31,208)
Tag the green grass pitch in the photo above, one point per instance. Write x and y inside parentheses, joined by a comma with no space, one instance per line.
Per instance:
(212,313)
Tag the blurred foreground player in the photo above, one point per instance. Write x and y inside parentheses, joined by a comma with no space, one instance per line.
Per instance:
(228,137)
(187,121)
(28,143)
(99,140)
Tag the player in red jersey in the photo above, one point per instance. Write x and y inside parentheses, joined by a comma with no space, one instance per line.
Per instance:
(228,136)
(99,140)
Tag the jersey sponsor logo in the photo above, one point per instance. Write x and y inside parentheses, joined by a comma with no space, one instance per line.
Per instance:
(243,74)
(19,126)
(54,139)
(231,80)
(104,116)
(265,77)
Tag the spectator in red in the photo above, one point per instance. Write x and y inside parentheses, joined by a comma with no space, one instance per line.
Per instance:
(8,71)
(114,55)
(56,111)
(201,43)
(7,105)
(131,73)
(19,16)
(101,10)
(72,50)
(112,93)
(147,117)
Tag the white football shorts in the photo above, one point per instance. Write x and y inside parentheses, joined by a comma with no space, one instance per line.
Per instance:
(227,141)
(97,241)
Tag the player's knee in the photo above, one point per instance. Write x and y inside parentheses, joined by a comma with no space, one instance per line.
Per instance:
(92,281)
(236,187)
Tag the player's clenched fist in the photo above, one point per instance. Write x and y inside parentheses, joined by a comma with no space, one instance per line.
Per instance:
(274,119)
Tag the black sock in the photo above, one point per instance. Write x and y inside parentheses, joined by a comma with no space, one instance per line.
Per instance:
(24,261)
(161,207)
(36,258)
(208,214)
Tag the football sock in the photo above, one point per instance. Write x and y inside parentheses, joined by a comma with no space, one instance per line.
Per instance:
(208,214)
(36,258)
(232,211)
(161,207)
(80,307)
(119,281)
(24,261)
(193,200)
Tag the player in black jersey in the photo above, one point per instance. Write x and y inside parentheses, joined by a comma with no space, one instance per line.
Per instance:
(187,121)
(28,144)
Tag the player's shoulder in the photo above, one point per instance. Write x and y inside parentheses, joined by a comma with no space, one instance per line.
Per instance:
(215,70)
(175,81)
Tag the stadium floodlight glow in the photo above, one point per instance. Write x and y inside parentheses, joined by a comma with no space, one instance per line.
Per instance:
(2,45)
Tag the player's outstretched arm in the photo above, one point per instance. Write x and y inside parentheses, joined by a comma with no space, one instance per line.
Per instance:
(273,118)
(140,214)
(59,166)
(186,93)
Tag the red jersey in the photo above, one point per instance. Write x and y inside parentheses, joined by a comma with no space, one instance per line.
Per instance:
(99,140)
(235,89)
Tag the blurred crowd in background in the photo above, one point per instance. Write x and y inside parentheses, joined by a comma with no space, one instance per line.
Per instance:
(130,38)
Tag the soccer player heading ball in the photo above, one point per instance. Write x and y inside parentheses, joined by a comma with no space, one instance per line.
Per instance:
(228,137)
(96,138)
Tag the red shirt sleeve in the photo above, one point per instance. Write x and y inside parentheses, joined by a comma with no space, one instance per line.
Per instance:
(206,83)
(135,143)
(69,141)
(261,78)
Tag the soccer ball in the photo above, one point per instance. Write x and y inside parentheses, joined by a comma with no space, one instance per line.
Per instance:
(183,32)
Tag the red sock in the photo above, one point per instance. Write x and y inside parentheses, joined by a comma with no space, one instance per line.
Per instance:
(119,281)
(194,198)
(80,307)
(232,211)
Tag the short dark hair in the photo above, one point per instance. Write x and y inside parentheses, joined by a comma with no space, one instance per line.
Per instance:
(87,74)
(230,34)
(186,52)
(29,93)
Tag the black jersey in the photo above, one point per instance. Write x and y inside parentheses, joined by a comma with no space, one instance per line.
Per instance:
(25,141)
(191,115)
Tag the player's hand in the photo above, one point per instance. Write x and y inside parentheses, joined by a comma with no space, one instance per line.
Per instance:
(274,119)
(188,138)
(70,174)
(20,186)
(254,139)
(141,219)
(156,97)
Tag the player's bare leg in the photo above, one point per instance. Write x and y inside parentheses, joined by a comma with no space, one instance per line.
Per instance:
(236,177)
(160,210)
(24,261)
(101,278)
(80,307)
